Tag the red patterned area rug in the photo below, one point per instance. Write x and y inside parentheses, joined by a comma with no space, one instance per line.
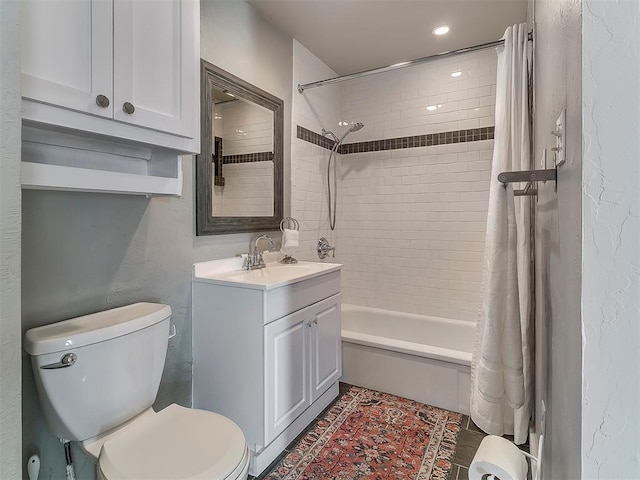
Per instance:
(375,436)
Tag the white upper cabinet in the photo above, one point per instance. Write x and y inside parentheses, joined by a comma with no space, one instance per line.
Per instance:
(152,64)
(109,86)
(133,62)
(67,54)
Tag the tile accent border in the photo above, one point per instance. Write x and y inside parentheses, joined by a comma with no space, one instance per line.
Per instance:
(315,138)
(248,158)
(427,140)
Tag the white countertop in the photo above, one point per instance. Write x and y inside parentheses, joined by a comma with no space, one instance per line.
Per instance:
(229,272)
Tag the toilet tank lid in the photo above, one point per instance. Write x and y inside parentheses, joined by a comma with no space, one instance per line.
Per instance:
(94,328)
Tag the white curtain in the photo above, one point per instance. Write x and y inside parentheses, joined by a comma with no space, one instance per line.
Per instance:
(502,367)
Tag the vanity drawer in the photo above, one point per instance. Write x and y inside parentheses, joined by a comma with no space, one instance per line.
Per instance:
(290,298)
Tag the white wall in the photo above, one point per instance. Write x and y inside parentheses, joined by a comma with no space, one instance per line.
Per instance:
(88,252)
(10,219)
(412,221)
(558,235)
(315,109)
(611,240)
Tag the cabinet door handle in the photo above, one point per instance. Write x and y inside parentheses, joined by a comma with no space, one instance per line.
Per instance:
(102,101)
(315,321)
(128,108)
(309,323)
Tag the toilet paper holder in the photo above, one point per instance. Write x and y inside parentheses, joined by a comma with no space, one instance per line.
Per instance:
(536,458)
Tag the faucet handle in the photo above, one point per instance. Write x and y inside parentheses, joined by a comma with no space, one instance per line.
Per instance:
(324,247)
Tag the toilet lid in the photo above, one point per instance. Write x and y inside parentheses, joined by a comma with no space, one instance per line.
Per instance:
(175,443)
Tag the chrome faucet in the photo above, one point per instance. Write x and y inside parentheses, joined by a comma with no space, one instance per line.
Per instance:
(254,258)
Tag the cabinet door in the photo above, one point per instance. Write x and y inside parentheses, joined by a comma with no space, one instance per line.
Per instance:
(326,346)
(156,64)
(67,53)
(286,371)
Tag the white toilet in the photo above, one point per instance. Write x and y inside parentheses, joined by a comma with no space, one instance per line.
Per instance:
(97,377)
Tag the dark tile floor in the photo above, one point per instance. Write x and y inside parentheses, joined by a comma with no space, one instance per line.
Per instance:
(468,442)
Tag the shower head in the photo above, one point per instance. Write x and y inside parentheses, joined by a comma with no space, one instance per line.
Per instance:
(354,127)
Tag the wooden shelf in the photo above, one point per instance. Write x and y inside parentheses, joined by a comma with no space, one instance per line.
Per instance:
(55,177)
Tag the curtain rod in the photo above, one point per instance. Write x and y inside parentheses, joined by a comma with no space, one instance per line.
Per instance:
(410,63)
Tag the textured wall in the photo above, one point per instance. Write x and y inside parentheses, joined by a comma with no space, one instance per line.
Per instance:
(412,221)
(240,41)
(558,238)
(87,252)
(611,240)
(10,338)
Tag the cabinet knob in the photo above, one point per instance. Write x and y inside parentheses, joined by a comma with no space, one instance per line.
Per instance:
(128,108)
(102,101)
(309,323)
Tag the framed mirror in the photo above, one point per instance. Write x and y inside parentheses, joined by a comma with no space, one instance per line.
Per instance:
(240,167)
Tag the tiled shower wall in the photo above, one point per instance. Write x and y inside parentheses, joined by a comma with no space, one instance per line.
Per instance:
(244,127)
(315,109)
(412,220)
(248,190)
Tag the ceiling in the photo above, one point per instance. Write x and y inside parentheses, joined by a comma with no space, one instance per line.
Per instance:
(355,35)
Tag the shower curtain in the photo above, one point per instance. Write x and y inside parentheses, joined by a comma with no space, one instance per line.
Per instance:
(502,367)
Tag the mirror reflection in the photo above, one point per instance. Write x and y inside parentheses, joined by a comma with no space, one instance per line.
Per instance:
(240,167)
(242,157)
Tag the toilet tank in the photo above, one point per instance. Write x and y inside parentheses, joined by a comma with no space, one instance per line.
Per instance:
(98,371)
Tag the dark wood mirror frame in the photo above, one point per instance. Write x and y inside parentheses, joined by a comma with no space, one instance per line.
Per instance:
(206,224)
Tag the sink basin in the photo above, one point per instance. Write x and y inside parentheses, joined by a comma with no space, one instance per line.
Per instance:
(229,271)
(274,273)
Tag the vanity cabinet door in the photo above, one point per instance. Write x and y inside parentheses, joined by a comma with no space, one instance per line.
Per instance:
(287,382)
(67,54)
(326,346)
(156,65)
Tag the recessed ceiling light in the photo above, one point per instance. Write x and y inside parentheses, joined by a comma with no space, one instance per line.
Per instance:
(441,30)
(431,108)
(456,74)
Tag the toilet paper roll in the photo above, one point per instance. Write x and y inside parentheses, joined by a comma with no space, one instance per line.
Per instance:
(498,457)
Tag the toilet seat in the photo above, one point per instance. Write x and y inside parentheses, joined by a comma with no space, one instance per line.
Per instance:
(176,443)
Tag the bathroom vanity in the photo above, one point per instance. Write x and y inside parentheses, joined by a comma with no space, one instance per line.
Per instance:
(266,348)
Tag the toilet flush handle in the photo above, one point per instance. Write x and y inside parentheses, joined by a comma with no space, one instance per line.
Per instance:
(172,331)
(67,360)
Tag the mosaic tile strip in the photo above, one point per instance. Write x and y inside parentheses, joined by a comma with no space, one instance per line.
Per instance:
(248,158)
(315,138)
(427,140)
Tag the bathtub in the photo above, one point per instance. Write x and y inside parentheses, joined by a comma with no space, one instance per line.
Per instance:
(427,359)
